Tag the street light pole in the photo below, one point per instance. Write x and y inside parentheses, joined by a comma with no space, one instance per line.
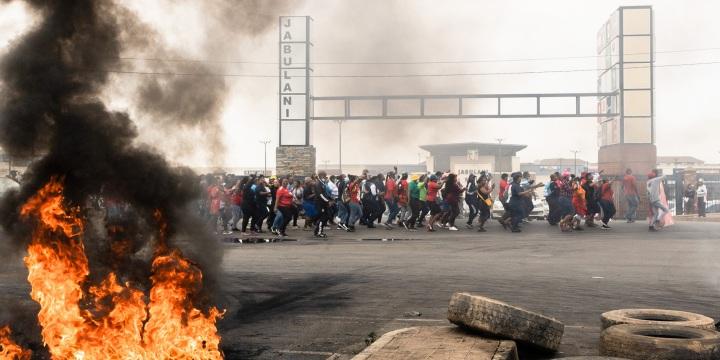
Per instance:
(575,152)
(340,145)
(499,155)
(265,142)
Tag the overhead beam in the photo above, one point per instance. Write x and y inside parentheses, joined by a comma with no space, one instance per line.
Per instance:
(461,112)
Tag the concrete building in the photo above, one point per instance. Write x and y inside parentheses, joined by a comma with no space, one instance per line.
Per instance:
(473,157)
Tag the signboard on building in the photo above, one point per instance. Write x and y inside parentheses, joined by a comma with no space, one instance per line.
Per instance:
(294,81)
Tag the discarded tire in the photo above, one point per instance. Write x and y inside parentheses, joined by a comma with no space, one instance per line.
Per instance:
(499,319)
(660,342)
(656,317)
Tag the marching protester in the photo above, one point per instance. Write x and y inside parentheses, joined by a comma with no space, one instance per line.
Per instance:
(323,201)
(659,212)
(431,201)
(391,198)
(471,199)
(701,197)
(283,204)
(353,202)
(632,196)
(606,202)
(484,201)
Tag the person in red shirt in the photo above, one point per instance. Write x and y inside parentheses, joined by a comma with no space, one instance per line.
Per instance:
(284,203)
(236,203)
(432,200)
(214,195)
(403,200)
(391,198)
(632,197)
(606,202)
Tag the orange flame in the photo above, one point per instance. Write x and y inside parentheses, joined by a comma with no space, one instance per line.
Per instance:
(9,349)
(111,320)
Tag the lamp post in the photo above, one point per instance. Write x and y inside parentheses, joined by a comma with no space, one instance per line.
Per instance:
(265,142)
(575,152)
(340,146)
(499,154)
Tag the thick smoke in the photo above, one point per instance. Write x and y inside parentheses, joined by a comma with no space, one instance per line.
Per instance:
(50,107)
(397,34)
(191,106)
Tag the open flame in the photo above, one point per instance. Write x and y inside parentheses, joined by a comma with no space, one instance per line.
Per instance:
(109,320)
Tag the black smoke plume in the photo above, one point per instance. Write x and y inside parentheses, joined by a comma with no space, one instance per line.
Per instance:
(50,108)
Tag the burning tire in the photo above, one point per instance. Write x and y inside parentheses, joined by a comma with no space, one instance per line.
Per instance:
(660,342)
(656,317)
(499,319)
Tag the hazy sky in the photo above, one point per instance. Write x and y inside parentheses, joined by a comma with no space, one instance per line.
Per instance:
(687,118)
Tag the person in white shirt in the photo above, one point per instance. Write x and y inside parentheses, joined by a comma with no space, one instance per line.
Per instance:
(701,195)
(654,187)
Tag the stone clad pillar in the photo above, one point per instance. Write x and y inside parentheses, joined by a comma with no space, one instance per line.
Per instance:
(626,135)
(298,161)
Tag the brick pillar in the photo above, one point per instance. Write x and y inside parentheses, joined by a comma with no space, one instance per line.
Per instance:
(641,158)
(297,161)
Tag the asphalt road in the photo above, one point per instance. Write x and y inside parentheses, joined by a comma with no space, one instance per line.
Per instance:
(309,299)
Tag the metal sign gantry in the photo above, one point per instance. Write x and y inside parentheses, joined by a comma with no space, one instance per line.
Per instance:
(460,112)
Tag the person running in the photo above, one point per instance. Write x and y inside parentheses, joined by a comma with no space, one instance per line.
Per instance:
(353,201)
(484,200)
(503,196)
(632,197)
(297,202)
(414,195)
(323,201)
(607,202)
(701,193)
(452,196)
(591,198)
(579,203)
(236,201)
(516,202)
(403,201)
(391,198)
(262,200)
(552,193)
(284,204)
(309,208)
(248,205)
(424,209)
(660,215)
(341,204)
(214,193)
(565,206)
(471,199)
(432,199)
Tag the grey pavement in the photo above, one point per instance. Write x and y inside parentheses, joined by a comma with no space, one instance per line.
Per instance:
(311,299)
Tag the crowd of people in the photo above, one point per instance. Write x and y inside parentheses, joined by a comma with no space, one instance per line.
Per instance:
(254,204)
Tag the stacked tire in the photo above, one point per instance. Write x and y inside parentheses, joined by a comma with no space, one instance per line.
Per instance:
(654,334)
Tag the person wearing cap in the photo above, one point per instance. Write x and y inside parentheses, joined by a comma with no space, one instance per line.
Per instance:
(701,194)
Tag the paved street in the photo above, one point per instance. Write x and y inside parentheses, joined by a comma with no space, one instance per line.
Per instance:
(308,299)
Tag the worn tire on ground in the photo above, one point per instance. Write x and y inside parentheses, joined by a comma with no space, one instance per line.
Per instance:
(656,317)
(505,321)
(592,358)
(660,342)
